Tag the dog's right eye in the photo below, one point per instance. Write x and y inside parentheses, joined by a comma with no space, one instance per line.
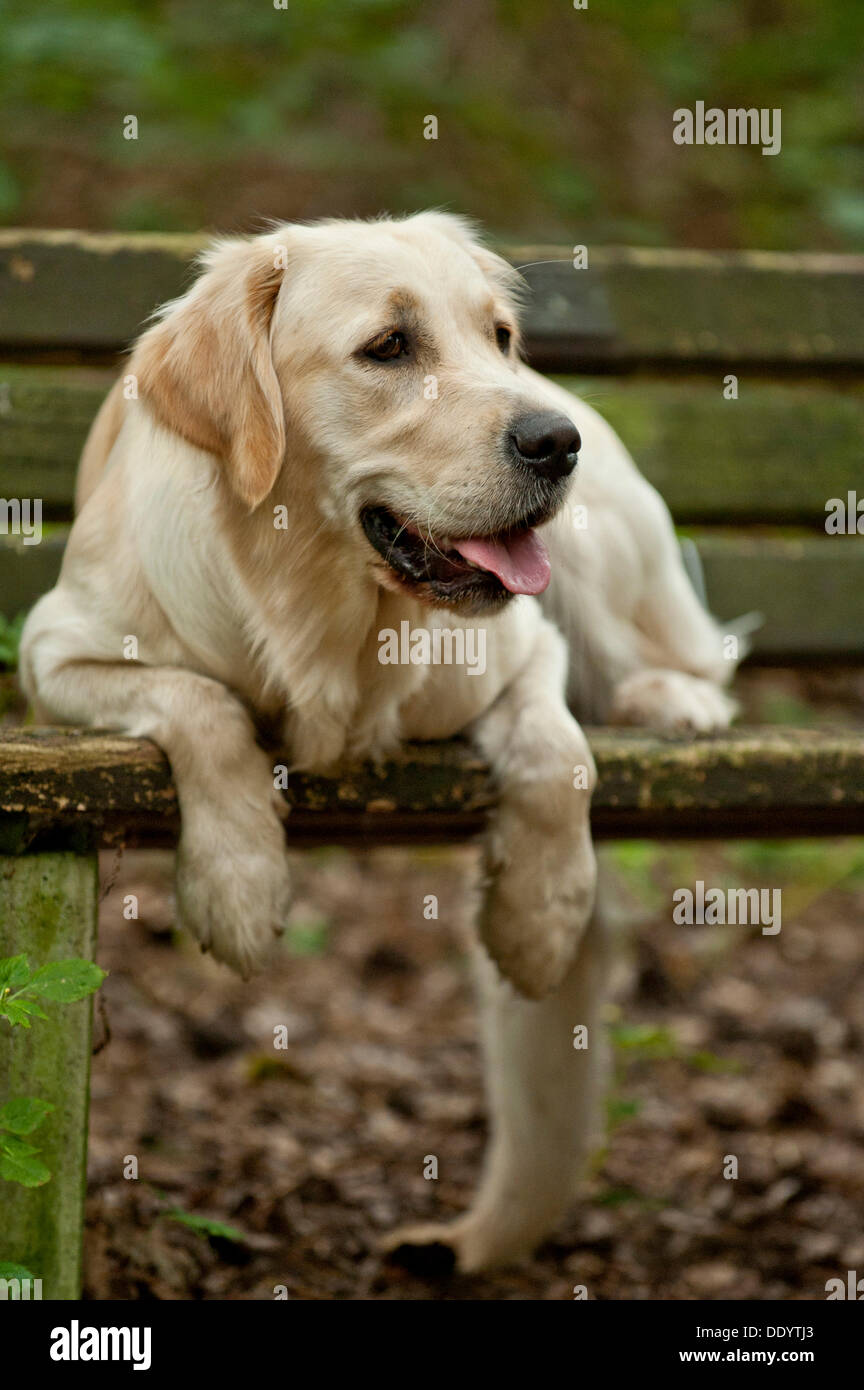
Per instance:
(387,347)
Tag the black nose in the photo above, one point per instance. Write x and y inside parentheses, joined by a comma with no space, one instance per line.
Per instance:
(547,442)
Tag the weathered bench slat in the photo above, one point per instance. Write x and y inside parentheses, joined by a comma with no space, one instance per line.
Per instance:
(90,292)
(810,589)
(86,290)
(98,788)
(776,454)
(28,571)
(48,911)
(45,413)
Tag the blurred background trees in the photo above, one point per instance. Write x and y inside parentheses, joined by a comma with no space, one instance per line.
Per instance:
(554,123)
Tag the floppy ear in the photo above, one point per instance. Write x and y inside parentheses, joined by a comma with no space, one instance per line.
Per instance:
(206,367)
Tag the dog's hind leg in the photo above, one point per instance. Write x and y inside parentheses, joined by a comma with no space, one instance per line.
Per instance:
(546,1095)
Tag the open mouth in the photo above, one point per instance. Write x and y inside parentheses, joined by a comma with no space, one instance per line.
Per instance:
(476,571)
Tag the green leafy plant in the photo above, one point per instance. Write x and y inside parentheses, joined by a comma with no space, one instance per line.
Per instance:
(209,1227)
(59,982)
(308,938)
(20,1161)
(645,1042)
(10,637)
(205,1226)
(10,1271)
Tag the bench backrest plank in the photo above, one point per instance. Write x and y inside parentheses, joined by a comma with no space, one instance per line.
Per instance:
(775,455)
(790,327)
(91,292)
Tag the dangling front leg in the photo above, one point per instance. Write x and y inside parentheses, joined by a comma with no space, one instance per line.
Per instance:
(540,870)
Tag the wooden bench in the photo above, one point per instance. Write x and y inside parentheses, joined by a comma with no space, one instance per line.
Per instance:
(653,337)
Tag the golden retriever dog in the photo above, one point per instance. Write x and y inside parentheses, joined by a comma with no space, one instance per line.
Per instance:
(330,436)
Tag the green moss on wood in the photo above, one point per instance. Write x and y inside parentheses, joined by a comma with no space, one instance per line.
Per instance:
(713,459)
(48,911)
(109,790)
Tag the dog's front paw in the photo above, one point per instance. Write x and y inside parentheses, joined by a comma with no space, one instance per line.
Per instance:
(233,885)
(538,899)
(673,701)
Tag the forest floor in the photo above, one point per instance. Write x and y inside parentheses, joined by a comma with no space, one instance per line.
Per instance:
(727,1043)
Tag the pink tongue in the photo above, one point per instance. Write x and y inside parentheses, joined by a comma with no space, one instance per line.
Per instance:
(521,562)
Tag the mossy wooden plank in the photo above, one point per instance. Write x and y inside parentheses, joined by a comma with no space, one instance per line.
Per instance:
(741,782)
(633,306)
(776,454)
(90,291)
(72,290)
(742,307)
(28,571)
(48,911)
(810,590)
(45,413)
(55,783)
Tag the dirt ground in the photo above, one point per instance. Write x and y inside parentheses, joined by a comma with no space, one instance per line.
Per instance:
(727,1043)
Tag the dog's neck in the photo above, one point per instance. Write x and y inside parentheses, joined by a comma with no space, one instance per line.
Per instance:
(314,635)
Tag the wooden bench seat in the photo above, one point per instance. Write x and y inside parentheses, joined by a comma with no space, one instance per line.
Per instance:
(651,338)
(70,788)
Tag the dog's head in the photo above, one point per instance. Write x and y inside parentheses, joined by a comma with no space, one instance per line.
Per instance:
(382,360)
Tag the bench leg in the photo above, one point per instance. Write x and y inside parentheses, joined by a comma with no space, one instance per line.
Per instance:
(48,905)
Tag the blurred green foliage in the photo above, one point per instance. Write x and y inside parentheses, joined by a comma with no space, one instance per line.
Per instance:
(307,938)
(554,123)
(804,869)
(10,637)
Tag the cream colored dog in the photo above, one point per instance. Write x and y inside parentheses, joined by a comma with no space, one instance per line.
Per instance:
(334,434)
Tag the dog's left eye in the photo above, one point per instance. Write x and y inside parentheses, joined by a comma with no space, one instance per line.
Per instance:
(387,348)
(503,338)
